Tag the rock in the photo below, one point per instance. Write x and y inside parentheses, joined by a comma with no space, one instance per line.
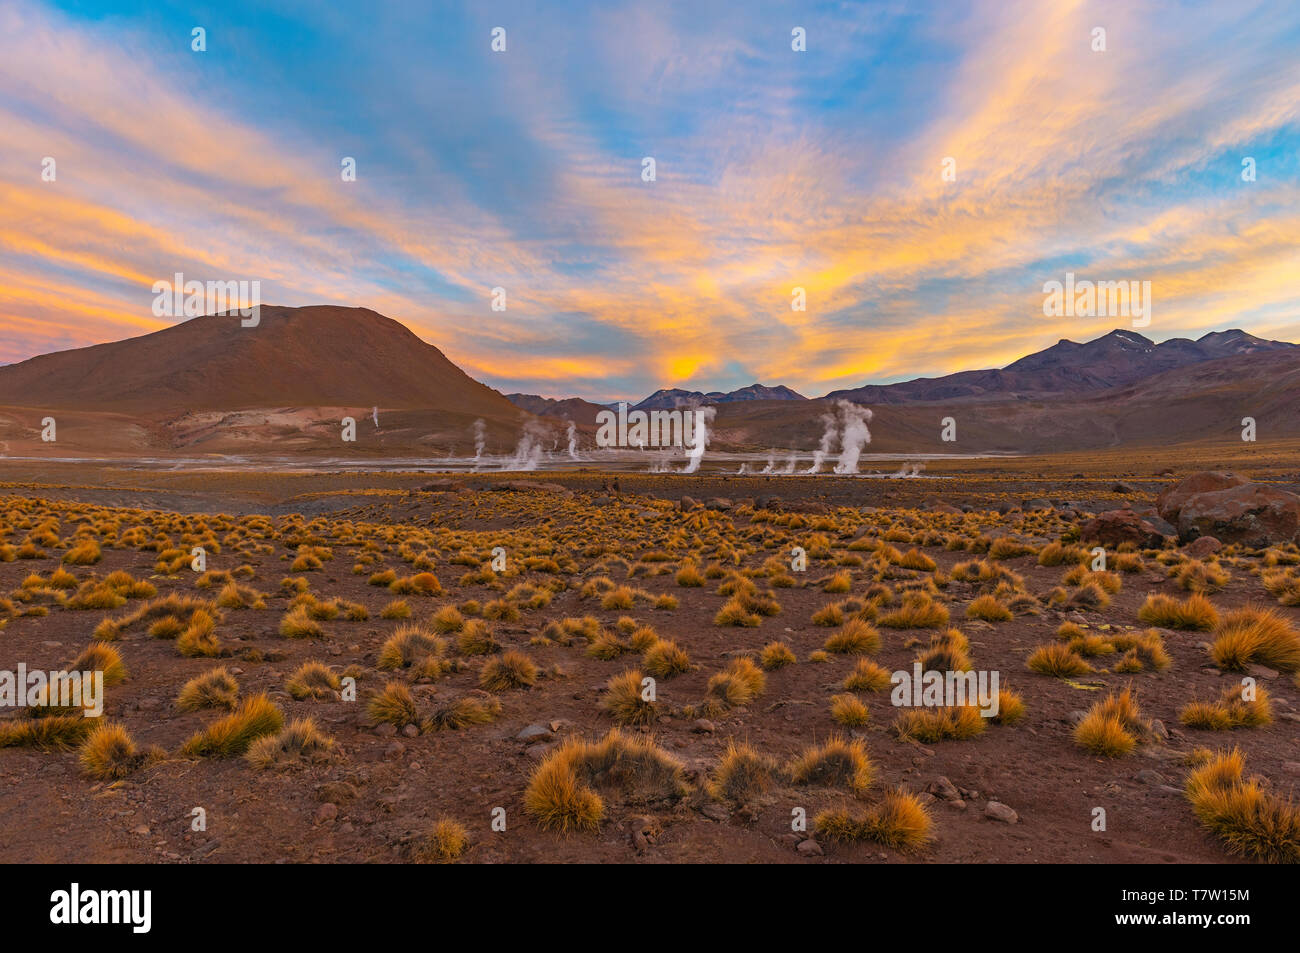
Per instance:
(539,751)
(1127,489)
(941,787)
(688,503)
(325,813)
(385,729)
(704,726)
(1147,776)
(394,751)
(790,840)
(810,848)
(715,812)
(720,503)
(1120,526)
(1291,767)
(998,811)
(411,731)
(1170,500)
(1158,730)
(1202,546)
(534,733)
(142,830)
(1251,514)
(1038,503)
(1076,716)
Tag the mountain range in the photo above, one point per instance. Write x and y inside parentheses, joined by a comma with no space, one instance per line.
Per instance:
(209,385)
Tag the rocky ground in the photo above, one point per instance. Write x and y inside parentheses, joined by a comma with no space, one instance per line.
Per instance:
(1024,792)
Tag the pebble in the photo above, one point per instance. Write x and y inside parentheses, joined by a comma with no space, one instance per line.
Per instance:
(326,812)
(998,811)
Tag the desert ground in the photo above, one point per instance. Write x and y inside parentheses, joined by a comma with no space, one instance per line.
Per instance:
(500,714)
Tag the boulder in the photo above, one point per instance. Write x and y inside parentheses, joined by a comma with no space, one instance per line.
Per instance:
(1120,526)
(1202,546)
(720,503)
(1252,514)
(1170,500)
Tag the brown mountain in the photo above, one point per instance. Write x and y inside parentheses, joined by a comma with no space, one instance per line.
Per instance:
(317,356)
(1068,368)
(581,412)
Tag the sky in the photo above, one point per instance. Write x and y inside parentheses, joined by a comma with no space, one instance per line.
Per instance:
(775,169)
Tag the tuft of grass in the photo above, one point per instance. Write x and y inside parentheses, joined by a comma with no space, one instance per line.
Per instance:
(397,609)
(917,611)
(99,657)
(1255,635)
(624,700)
(1011,707)
(444,842)
(1233,709)
(855,637)
(665,658)
(108,753)
(393,704)
(849,711)
(837,762)
(52,732)
(742,775)
(735,613)
(84,553)
(300,741)
(899,821)
(199,638)
(407,646)
(447,620)
(232,735)
(312,680)
(1057,660)
(738,684)
(776,655)
(867,676)
(1251,821)
(929,725)
(510,670)
(297,623)
(1193,614)
(464,712)
(988,608)
(1112,726)
(561,792)
(215,688)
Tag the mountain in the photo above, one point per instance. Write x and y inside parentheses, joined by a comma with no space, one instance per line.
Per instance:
(1068,368)
(581,412)
(672,398)
(316,356)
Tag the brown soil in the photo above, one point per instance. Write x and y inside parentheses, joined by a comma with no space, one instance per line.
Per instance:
(54,813)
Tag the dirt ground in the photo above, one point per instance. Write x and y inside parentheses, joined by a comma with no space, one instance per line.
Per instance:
(378,795)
